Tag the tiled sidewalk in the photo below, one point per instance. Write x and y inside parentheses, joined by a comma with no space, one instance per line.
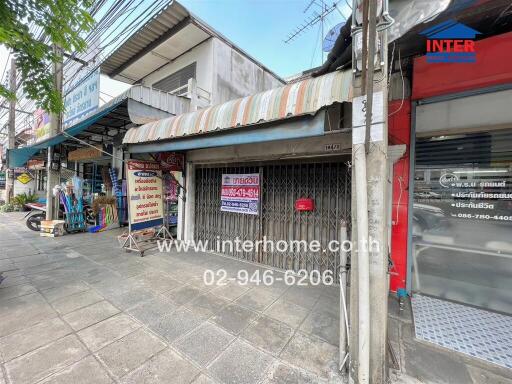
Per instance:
(76,309)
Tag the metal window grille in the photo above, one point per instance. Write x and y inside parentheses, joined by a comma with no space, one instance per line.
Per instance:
(177,80)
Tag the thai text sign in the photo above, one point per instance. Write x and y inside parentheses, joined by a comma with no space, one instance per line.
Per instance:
(87,153)
(240,193)
(82,99)
(145,204)
(41,125)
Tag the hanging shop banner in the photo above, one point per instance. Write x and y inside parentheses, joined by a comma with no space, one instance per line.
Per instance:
(82,99)
(145,203)
(171,161)
(240,193)
(3,178)
(171,186)
(35,165)
(41,125)
(88,153)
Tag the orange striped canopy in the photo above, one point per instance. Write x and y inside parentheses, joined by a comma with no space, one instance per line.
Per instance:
(301,98)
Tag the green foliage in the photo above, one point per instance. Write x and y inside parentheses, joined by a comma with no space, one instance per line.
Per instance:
(7,208)
(61,22)
(23,198)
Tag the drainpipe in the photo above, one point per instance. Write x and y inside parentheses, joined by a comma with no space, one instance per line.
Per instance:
(344,340)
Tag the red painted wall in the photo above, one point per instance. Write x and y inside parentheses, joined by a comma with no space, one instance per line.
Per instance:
(400,133)
(493,66)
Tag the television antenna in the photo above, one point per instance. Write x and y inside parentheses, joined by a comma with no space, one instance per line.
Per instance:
(319,15)
(315,18)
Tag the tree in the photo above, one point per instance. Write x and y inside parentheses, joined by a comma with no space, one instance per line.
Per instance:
(60,22)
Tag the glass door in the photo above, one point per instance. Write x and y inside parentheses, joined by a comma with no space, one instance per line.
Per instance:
(462,219)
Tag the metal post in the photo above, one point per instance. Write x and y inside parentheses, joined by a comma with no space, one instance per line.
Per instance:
(359,158)
(11,143)
(53,177)
(410,209)
(344,329)
(190,201)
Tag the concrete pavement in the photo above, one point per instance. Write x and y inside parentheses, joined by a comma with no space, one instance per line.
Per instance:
(77,309)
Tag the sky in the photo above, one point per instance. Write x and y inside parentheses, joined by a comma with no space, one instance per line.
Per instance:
(259,27)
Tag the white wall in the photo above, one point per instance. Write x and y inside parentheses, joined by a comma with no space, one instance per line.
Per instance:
(30,187)
(487,111)
(221,70)
(20,188)
(236,75)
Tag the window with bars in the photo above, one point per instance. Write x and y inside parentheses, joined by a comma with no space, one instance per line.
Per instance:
(177,80)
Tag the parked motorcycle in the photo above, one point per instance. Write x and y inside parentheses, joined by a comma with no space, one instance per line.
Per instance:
(37,213)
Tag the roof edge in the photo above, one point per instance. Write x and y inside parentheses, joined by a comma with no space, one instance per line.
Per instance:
(191,18)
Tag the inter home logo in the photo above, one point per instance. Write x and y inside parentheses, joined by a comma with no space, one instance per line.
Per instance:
(450,42)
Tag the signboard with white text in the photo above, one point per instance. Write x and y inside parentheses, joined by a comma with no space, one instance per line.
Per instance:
(145,199)
(82,99)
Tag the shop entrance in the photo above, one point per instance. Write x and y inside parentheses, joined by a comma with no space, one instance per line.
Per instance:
(462,219)
(325,183)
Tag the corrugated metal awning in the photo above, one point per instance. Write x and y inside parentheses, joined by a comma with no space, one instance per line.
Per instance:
(18,157)
(154,98)
(137,105)
(302,98)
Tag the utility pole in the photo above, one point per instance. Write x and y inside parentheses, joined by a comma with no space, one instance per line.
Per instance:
(53,175)
(369,281)
(379,222)
(9,187)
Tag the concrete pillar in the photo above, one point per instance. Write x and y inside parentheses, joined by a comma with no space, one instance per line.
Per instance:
(192,94)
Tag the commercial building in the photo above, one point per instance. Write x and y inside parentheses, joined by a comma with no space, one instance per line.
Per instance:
(451,214)
(175,64)
(449,158)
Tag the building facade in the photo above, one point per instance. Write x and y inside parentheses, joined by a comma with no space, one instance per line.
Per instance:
(452,190)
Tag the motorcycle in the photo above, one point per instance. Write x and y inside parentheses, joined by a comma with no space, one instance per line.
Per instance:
(37,213)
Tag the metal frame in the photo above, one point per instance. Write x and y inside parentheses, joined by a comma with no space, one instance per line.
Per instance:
(412,159)
(281,183)
(460,95)
(133,244)
(412,166)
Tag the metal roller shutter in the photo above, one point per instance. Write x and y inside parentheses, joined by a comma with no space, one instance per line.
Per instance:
(328,183)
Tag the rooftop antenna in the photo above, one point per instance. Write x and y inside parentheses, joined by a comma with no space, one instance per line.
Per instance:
(313,19)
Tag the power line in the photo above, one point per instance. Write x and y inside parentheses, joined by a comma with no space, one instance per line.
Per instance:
(113,28)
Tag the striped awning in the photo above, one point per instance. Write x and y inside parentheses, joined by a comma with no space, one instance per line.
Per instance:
(302,98)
